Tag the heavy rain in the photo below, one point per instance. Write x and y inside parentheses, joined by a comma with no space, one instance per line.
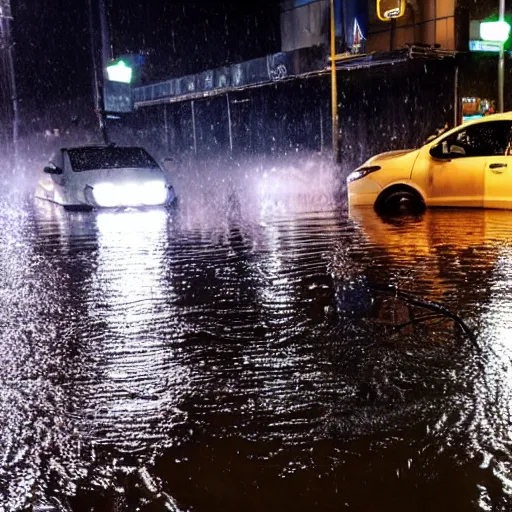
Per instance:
(235,304)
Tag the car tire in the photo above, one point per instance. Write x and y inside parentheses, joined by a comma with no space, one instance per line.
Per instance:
(401,201)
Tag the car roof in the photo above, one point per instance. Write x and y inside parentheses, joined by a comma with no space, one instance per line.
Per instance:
(504,116)
(101,146)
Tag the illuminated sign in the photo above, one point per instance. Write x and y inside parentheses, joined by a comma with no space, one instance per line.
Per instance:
(494,31)
(120,72)
(484,46)
(388,10)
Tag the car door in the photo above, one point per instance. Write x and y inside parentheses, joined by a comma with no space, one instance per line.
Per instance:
(453,172)
(498,175)
(456,182)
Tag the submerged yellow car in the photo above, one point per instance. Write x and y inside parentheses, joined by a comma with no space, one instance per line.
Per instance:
(468,166)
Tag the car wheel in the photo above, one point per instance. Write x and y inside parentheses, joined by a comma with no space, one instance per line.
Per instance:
(401,201)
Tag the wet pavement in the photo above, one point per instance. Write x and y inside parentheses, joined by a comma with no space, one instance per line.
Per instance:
(290,360)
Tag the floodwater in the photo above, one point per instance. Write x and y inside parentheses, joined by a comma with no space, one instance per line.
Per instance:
(292,360)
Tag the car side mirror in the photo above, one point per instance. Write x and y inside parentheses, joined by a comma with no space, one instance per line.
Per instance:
(169,164)
(440,151)
(168,161)
(52,169)
(447,151)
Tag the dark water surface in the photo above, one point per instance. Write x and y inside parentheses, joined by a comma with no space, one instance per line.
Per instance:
(152,363)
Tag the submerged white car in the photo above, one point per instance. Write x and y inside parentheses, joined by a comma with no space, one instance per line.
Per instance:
(88,177)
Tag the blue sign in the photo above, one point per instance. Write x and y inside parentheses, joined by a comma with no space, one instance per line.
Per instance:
(117,97)
(300,3)
(484,46)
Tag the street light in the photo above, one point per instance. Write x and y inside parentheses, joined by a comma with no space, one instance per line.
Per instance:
(120,72)
(499,32)
(496,31)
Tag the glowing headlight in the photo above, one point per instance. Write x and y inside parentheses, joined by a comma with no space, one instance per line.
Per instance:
(107,195)
(362,172)
(149,193)
(153,193)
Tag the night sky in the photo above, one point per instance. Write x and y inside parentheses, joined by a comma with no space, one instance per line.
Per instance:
(51,48)
(176,37)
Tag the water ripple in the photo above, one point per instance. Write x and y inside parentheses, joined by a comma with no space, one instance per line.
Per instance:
(151,363)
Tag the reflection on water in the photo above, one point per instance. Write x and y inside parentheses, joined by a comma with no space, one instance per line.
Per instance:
(300,361)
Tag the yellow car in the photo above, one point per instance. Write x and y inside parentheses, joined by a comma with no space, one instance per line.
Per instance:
(468,166)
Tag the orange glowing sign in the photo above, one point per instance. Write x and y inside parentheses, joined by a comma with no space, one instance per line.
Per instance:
(388,10)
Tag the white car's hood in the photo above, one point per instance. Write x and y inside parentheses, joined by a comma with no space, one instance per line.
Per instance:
(115,176)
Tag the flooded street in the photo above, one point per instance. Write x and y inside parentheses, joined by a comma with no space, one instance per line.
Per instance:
(289,360)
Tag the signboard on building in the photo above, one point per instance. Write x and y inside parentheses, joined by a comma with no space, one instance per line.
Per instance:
(483,46)
(305,23)
(485,36)
(388,10)
(117,97)
(351,24)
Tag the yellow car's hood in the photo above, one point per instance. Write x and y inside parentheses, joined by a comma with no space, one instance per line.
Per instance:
(390,155)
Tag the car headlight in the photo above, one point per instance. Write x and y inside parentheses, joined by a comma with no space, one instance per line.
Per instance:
(149,193)
(362,172)
(153,193)
(107,195)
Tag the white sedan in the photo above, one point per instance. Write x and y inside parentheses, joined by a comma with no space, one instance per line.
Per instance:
(88,177)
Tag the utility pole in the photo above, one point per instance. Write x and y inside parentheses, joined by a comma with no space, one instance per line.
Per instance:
(100,56)
(501,66)
(334,87)
(106,46)
(7,56)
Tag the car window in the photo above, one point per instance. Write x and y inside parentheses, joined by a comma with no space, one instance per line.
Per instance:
(483,139)
(88,159)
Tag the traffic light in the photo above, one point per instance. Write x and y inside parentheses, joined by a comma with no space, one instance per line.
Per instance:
(390,9)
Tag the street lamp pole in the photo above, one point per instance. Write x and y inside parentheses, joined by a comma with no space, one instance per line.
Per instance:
(334,86)
(501,65)
(98,61)
(6,43)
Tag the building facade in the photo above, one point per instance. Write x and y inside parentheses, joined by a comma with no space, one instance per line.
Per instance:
(390,73)
(306,23)
(430,22)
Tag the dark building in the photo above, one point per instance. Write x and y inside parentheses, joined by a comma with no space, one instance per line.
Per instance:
(389,75)
(252,77)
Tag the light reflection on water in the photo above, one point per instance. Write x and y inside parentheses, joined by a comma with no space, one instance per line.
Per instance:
(151,362)
(133,400)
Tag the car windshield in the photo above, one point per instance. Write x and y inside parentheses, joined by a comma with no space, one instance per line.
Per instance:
(88,159)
